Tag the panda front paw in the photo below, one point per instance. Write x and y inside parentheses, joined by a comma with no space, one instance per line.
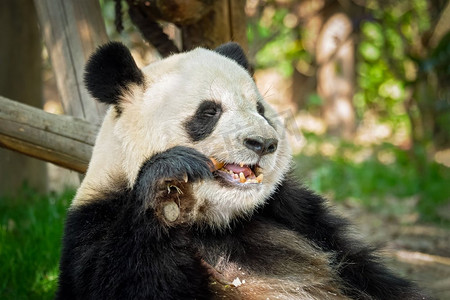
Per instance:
(164,183)
(177,164)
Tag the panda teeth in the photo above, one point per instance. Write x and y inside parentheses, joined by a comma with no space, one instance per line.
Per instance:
(258,171)
(240,177)
(260,177)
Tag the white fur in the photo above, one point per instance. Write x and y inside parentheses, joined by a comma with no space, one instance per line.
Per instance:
(152,121)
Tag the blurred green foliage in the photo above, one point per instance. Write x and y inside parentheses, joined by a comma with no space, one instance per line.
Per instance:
(386,64)
(400,80)
(391,56)
(380,178)
(275,45)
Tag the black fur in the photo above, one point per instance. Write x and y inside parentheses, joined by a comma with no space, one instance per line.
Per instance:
(117,248)
(109,71)
(260,108)
(234,51)
(176,164)
(262,111)
(303,211)
(203,122)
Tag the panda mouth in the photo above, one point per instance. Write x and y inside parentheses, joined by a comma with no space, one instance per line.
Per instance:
(238,173)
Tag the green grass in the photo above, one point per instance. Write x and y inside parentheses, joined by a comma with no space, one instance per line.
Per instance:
(376,182)
(31,228)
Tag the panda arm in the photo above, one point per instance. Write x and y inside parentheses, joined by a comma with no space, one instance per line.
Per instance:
(305,212)
(116,247)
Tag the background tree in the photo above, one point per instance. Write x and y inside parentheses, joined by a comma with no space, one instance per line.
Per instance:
(20,79)
(203,23)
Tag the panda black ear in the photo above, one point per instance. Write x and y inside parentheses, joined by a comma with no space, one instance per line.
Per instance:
(109,71)
(235,52)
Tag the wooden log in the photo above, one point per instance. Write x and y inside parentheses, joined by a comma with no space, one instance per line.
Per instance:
(60,139)
(72,29)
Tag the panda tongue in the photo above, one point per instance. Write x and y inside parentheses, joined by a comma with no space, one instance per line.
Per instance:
(238,169)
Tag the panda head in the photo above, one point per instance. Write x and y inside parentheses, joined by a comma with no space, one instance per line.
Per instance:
(201,99)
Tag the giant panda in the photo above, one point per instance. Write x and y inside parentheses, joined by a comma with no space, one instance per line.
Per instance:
(189,194)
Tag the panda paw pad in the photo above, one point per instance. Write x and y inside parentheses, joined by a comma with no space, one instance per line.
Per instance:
(173,202)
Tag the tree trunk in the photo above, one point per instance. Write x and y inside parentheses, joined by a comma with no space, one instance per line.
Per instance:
(203,23)
(20,79)
(335,75)
(225,22)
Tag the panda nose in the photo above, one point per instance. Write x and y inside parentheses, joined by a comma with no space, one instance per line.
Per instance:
(260,145)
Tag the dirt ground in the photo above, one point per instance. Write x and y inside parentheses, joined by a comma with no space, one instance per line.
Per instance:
(420,252)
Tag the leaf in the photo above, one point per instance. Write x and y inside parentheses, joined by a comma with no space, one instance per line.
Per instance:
(373,32)
(369,51)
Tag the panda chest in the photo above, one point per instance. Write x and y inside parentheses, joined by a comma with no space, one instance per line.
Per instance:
(265,261)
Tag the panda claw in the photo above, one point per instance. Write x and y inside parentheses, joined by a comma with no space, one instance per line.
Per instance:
(169,186)
(185,177)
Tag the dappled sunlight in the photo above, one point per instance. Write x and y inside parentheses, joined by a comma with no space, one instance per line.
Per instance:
(290,20)
(386,156)
(327,149)
(391,89)
(275,89)
(310,123)
(443,157)
(372,132)
(336,30)
(414,257)
(358,156)
(45,281)
(369,134)
(53,107)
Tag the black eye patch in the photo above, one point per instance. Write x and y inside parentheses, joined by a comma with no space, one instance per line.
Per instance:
(260,108)
(203,122)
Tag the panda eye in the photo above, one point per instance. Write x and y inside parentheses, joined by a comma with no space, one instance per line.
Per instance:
(210,112)
(210,109)
(260,108)
(202,123)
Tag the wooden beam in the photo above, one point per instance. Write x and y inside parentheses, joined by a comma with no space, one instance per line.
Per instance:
(63,140)
(72,29)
